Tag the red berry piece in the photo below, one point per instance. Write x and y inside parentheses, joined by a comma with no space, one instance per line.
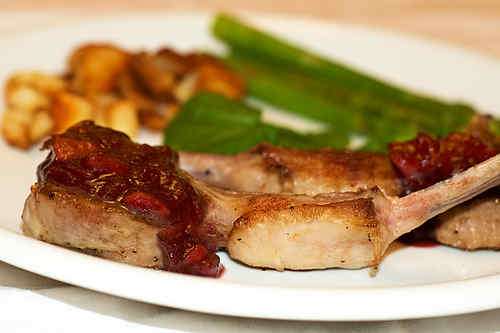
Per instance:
(101,164)
(147,205)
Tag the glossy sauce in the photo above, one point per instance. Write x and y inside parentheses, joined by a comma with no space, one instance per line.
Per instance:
(144,180)
(425,161)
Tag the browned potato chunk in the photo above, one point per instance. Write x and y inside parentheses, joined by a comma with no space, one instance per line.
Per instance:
(30,90)
(68,109)
(112,87)
(94,68)
(41,125)
(216,78)
(186,87)
(157,119)
(159,72)
(22,128)
(123,116)
(101,104)
(40,81)
(16,127)
(153,114)
(154,74)
(28,96)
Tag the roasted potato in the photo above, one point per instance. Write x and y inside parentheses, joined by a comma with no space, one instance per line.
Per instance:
(154,74)
(94,68)
(28,96)
(114,88)
(16,128)
(159,82)
(30,90)
(68,109)
(186,87)
(44,83)
(153,114)
(217,78)
(123,116)
(160,117)
(22,128)
(41,125)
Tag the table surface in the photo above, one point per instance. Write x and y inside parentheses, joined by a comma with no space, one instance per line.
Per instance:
(473,24)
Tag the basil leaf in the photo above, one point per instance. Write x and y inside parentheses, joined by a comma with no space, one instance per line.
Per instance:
(214,124)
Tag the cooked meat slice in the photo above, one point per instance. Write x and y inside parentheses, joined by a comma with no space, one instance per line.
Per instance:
(282,170)
(58,216)
(95,168)
(244,172)
(276,170)
(472,225)
(344,234)
(108,188)
(260,238)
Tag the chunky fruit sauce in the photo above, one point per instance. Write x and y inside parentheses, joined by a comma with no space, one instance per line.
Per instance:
(424,161)
(145,180)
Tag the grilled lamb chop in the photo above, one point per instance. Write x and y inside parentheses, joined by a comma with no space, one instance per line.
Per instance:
(99,192)
(59,215)
(472,225)
(272,169)
(352,233)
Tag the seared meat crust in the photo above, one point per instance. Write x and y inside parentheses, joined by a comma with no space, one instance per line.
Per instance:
(272,169)
(309,237)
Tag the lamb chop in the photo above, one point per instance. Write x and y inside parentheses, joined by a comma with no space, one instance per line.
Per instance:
(473,225)
(271,169)
(99,192)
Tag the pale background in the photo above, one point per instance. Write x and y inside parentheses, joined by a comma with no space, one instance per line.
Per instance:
(473,24)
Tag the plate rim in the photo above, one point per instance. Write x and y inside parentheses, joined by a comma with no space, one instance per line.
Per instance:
(445,293)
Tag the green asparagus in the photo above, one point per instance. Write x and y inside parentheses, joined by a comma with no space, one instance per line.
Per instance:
(264,48)
(294,93)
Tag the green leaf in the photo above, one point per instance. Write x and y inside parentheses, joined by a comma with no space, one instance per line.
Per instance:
(213,124)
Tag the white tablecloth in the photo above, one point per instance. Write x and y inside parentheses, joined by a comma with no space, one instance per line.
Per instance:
(30,303)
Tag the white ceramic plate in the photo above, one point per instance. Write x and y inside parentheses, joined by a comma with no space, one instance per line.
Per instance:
(412,282)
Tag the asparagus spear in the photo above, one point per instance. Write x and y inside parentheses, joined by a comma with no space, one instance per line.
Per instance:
(294,93)
(272,89)
(344,99)
(263,47)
